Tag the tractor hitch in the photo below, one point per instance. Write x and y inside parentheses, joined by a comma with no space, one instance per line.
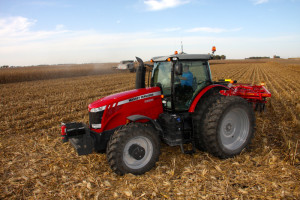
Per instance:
(79,136)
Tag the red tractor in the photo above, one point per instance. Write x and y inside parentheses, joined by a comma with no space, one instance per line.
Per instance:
(181,106)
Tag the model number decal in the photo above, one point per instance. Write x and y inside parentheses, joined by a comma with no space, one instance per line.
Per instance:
(148,100)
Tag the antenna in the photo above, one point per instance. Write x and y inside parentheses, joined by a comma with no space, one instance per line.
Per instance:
(181,47)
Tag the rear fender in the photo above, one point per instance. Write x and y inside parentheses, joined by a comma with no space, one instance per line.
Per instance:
(206,91)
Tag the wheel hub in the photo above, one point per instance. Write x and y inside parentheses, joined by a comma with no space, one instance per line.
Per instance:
(228,127)
(136,151)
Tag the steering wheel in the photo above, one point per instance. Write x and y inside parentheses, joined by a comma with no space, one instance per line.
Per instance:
(176,79)
(200,82)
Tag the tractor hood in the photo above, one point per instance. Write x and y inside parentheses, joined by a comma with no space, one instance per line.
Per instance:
(125,97)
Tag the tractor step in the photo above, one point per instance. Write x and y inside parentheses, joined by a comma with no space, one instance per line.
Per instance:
(190,151)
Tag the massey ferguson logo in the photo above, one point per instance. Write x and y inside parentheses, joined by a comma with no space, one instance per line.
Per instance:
(134,99)
(147,95)
(140,97)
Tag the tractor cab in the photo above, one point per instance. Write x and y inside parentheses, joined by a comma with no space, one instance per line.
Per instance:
(181,77)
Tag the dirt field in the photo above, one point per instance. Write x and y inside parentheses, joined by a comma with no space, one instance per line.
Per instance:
(34,164)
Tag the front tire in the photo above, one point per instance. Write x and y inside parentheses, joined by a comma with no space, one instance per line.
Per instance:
(228,126)
(135,149)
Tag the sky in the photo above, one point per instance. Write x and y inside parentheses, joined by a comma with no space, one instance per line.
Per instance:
(36,32)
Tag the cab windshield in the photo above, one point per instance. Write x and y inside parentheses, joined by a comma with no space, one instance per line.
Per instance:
(161,76)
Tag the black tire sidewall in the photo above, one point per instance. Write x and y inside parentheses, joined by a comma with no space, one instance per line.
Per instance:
(198,118)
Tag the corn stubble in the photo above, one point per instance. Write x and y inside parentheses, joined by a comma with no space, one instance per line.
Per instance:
(34,164)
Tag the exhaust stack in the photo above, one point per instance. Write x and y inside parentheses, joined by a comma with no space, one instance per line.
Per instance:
(140,74)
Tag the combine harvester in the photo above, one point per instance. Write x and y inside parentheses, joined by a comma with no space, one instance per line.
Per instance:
(180,106)
(126,65)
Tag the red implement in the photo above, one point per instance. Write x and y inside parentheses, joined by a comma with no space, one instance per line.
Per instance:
(255,93)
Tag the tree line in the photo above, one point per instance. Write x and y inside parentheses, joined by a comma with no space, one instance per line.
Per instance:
(219,57)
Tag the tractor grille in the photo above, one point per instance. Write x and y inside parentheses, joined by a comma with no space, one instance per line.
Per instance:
(95,119)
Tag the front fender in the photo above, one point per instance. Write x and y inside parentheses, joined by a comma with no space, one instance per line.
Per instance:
(134,118)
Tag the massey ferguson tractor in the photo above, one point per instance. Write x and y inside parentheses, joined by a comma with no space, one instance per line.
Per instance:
(181,106)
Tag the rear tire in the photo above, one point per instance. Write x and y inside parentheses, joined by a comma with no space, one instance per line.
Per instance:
(228,126)
(198,119)
(135,149)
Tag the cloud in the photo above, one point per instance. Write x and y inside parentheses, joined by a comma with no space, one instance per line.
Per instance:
(20,45)
(257,2)
(212,30)
(17,29)
(155,5)
(15,25)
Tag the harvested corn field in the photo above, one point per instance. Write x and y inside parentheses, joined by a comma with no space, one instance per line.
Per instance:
(34,164)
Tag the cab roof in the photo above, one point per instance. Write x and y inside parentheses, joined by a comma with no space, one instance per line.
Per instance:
(184,57)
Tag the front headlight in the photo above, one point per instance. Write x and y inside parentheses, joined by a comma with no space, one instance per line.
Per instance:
(95,116)
(96,126)
(98,109)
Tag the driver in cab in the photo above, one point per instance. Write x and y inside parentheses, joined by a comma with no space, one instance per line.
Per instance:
(185,90)
(186,78)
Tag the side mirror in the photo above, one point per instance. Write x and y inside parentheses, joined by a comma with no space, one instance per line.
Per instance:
(178,68)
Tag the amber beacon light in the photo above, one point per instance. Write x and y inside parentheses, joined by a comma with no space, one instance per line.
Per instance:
(213,49)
